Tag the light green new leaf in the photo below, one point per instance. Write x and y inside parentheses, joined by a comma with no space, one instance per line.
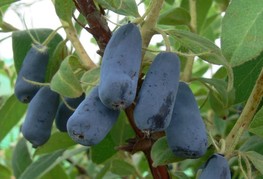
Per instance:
(242,31)
(21,158)
(9,118)
(66,81)
(161,153)
(256,125)
(64,9)
(52,144)
(123,7)
(256,159)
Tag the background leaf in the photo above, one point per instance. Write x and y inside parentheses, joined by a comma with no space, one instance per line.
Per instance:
(9,118)
(199,45)
(175,16)
(123,7)
(41,166)
(21,158)
(242,29)
(56,173)
(256,159)
(57,141)
(5,173)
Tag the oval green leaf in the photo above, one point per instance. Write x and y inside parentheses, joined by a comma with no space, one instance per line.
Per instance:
(66,81)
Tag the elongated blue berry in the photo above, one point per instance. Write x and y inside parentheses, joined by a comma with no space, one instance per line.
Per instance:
(40,116)
(33,68)
(186,133)
(120,67)
(91,121)
(153,110)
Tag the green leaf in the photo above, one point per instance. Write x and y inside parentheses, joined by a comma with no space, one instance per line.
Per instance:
(6,2)
(21,158)
(56,173)
(245,77)
(64,9)
(180,175)
(242,31)
(123,7)
(199,45)
(65,81)
(9,118)
(90,79)
(253,143)
(103,150)
(120,132)
(220,99)
(256,159)
(47,162)
(256,125)
(121,167)
(41,166)
(59,54)
(175,16)
(202,8)
(57,141)
(5,173)
(22,42)
(217,104)
(169,1)
(161,153)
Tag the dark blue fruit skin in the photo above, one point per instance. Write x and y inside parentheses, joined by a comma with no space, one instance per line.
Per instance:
(120,67)
(216,168)
(63,112)
(156,98)
(40,116)
(186,133)
(33,68)
(91,121)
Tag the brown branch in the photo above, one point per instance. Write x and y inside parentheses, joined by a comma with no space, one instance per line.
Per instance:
(98,26)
